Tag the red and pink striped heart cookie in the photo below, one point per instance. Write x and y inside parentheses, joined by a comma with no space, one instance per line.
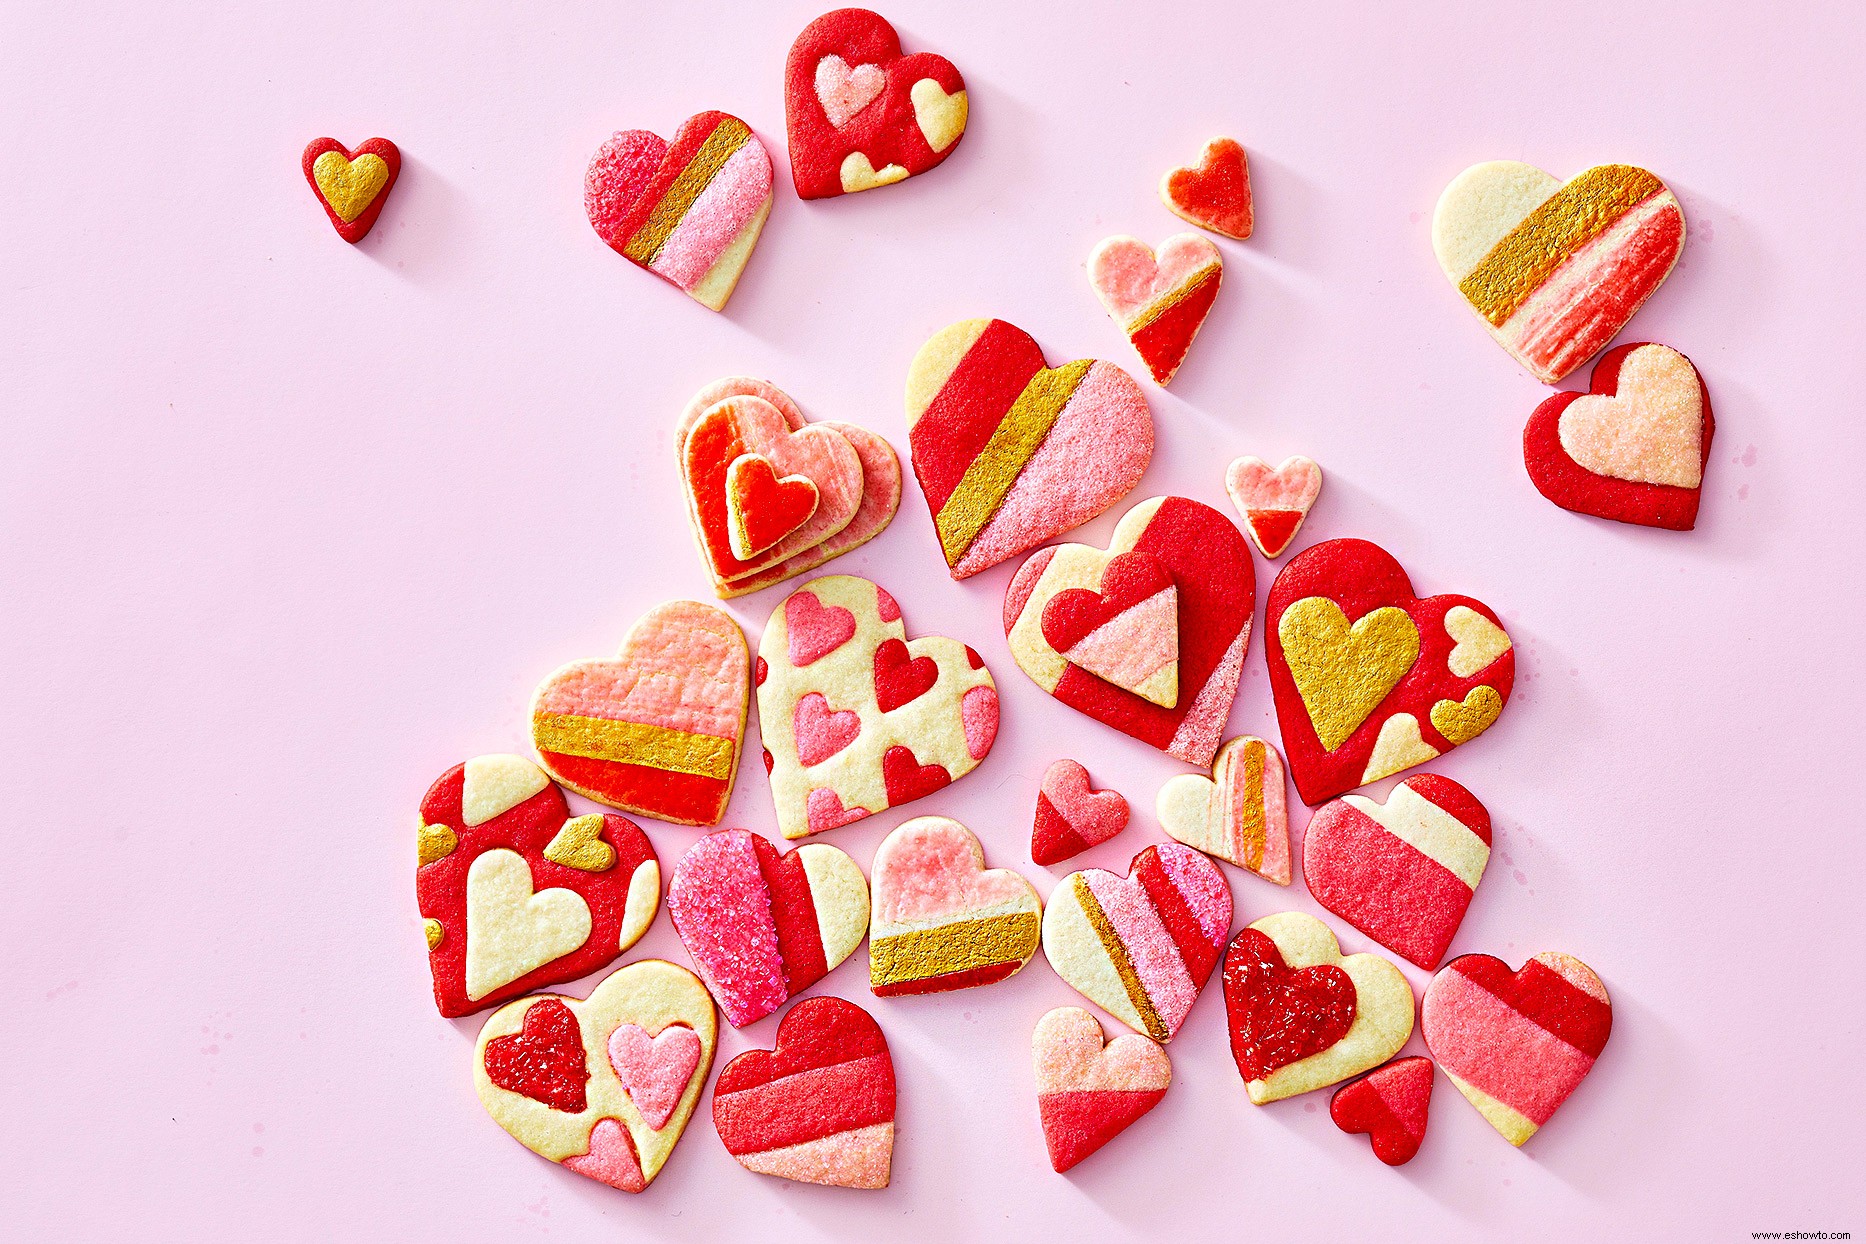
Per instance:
(1240,814)
(1390,1105)
(1273,502)
(1159,300)
(1087,1092)
(1071,818)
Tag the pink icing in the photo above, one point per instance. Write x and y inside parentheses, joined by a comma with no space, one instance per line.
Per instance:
(1070,1057)
(886,607)
(1650,432)
(654,1070)
(823,810)
(978,713)
(935,869)
(729,202)
(1483,1041)
(1130,277)
(684,666)
(1150,948)
(813,630)
(618,173)
(1255,485)
(1202,885)
(1237,793)
(843,91)
(611,1158)
(821,733)
(723,913)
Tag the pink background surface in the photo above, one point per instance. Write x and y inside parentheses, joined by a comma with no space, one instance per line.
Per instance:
(292,526)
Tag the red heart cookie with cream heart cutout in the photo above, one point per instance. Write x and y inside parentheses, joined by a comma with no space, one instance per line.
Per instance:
(941,919)
(1390,1106)
(1633,447)
(352,186)
(1239,814)
(515,893)
(860,113)
(1070,817)
(1370,679)
(1087,1092)
(1160,301)
(1214,193)
(1273,502)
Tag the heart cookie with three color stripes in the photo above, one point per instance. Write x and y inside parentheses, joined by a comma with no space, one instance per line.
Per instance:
(1160,301)
(1239,814)
(1070,817)
(1087,1092)
(351,185)
(1214,193)
(941,919)
(1390,1105)
(1273,502)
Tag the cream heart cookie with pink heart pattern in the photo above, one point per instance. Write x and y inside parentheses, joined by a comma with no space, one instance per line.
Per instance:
(1240,814)
(1273,501)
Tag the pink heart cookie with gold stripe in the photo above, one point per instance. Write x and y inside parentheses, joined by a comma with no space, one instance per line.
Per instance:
(941,919)
(1240,814)
(1159,300)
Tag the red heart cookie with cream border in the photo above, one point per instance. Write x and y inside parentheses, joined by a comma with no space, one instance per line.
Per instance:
(1070,817)
(351,185)
(1160,301)
(860,113)
(1087,1092)
(1273,502)
(941,919)
(1214,193)
(1239,814)
(1390,1106)
(515,893)
(1370,679)
(1633,448)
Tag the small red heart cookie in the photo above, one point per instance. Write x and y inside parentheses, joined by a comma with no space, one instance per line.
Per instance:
(352,186)
(1370,679)
(1273,502)
(1070,817)
(518,895)
(1160,301)
(1087,1092)
(1240,814)
(819,1108)
(860,113)
(1215,193)
(941,919)
(1634,447)
(1390,1106)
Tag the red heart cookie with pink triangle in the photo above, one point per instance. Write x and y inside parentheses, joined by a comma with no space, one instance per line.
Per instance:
(1390,1106)
(1070,816)
(1159,300)
(1273,501)
(352,186)
(1089,1092)
(1214,193)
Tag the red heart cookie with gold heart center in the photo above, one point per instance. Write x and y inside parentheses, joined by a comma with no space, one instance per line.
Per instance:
(351,185)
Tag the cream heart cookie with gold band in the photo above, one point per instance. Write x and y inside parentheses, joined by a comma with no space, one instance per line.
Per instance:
(1240,814)
(352,186)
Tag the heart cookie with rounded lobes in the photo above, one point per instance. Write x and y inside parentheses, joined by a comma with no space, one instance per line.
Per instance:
(1141,946)
(1555,269)
(819,1108)
(860,113)
(1632,448)
(763,926)
(1010,452)
(1370,679)
(1160,301)
(1390,1105)
(515,893)
(352,186)
(1087,1092)
(941,919)
(1214,589)
(604,1085)
(1516,1044)
(1071,817)
(690,210)
(1239,814)
(1302,1015)
(1214,193)
(657,728)
(1273,502)
(858,718)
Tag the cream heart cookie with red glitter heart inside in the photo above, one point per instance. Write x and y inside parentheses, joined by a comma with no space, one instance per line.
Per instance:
(1239,814)
(1159,300)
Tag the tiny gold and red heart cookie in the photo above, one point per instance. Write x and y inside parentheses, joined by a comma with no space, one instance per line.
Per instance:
(351,185)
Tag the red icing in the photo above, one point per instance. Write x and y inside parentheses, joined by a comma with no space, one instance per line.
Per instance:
(831,1072)
(898,679)
(1215,192)
(1279,1015)
(1077,1123)
(771,508)
(544,1060)
(1163,343)
(1073,614)
(1196,951)
(1545,997)
(986,975)
(391,155)
(1274,528)
(793,910)
(1390,1106)
(906,778)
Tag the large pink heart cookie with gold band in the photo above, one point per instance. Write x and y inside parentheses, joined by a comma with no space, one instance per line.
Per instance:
(1010,452)
(352,186)
(855,716)
(941,919)
(1160,301)
(605,1085)
(655,729)
(1555,269)
(1370,679)
(1089,1092)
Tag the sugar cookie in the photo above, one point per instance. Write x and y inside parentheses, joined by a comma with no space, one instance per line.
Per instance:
(941,919)
(352,186)
(1087,1092)
(1071,817)
(1215,193)
(1239,814)
(1390,1105)
(1273,502)
(1160,301)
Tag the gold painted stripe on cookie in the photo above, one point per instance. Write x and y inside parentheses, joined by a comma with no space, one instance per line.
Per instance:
(634,743)
(727,137)
(956,947)
(990,475)
(1154,311)
(1542,241)
(1250,815)
(1123,966)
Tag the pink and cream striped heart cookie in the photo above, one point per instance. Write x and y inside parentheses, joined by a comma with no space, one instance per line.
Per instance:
(941,919)
(1159,300)
(1071,818)
(1087,1092)
(1273,501)
(1240,814)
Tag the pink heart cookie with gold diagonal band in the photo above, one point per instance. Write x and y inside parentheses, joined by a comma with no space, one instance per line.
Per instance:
(1159,300)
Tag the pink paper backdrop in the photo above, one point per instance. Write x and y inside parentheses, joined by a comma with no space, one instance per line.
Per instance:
(291,526)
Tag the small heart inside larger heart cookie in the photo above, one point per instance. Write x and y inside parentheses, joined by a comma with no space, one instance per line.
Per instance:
(352,186)
(1125,633)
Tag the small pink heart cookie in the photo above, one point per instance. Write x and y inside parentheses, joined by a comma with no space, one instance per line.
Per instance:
(1071,818)
(1159,300)
(1273,502)
(1089,1092)
(1239,814)
(941,919)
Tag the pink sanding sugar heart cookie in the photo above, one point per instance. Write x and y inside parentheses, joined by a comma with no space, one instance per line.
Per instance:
(1070,817)
(1160,301)
(1390,1106)
(941,919)
(1215,193)
(1087,1092)
(1239,814)
(1273,502)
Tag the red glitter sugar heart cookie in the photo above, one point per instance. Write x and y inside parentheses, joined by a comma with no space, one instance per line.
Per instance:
(1070,817)
(860,113)
(352,186)
(819,1108)
(1087,1092)
(1160,301)
(1633,447)
(1215,193)
(1239,814)
(689,211)
(1010,452)
(1370,679)
(1214,592)
(605,1086)
(941,919)
(1273,502)
(515,893)
(1390,1106)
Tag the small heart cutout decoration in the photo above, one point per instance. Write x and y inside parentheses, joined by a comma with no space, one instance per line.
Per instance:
(352,186)
(1087,1092)
(654,1071)
(1160,301)
(1273,502)
(1239,814)
(1070,817)
(763,507)
(941,919)
(1214,193)
(1390,1106)
(1126,632)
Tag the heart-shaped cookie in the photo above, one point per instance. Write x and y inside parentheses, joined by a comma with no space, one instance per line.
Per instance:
(1087,1092)
(1214,193)
(1239,814)
(1071,817)
(1273,502)
(351,185)
(925,710)
(819,1108)
(1010,452)
(941,919)
(1633,447)
(690,210)
(1304,1017)
(1125,631)
(763,926)
(1370,679)
(860,113)
(1390,1106)
(547,1071)
(1215,590)
(1159,300)
(516,894)
(1141,946)
(1516,1045)
(656,729)
(1402,872)
(1555,269)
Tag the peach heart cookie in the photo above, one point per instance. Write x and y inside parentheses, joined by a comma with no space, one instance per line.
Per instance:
(1141,946)
(1556,269)
(604,1086)
(1401,872)
(1239,814)
(1516,1044)
(1010,452)
(1390,1106)
(1273,502)
(517,894)
(352,186)
(1160,301)
(763,926)
(1214,590)
(656,729)
(1087,1092)
(1304,1017)
(856,717)
(1214,193)
(689,211)
(942,920)
(1070,817)
(1370,679)
(860,113)
(1633,447)
(819,1108)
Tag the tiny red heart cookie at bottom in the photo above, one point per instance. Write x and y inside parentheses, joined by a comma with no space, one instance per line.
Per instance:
(1390,1106)
(1071,817)
(1089,1092)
